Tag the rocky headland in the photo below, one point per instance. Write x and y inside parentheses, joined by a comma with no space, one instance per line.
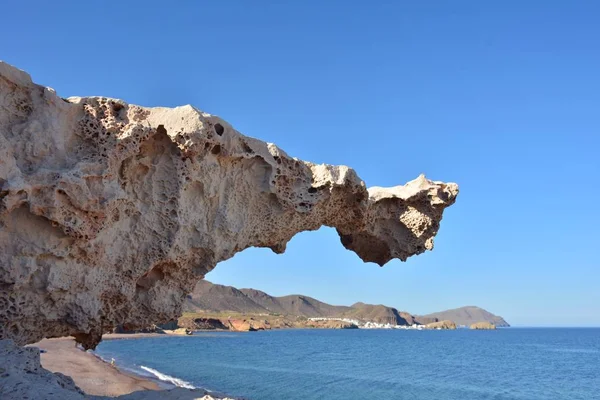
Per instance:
(465,316)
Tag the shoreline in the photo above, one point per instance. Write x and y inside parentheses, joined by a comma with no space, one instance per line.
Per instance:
(98,377)
(90,373)
(121,336)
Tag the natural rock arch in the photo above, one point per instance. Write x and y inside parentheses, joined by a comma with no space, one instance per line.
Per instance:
(110,212)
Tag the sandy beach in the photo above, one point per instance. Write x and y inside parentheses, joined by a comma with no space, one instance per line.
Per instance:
(91,374)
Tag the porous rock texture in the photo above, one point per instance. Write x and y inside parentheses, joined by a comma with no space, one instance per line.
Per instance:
(22,376)
(110,212)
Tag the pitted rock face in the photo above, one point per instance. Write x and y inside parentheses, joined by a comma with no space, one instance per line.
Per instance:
(111,212)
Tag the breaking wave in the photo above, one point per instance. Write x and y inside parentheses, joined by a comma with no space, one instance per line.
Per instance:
(167,378)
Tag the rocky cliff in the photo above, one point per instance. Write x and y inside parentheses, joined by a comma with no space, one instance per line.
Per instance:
(111,212)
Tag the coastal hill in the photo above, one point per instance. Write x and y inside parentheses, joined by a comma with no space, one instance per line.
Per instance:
(469,315)
(220,298)
(209,297)
(213,298)
(378,313)
(294,304)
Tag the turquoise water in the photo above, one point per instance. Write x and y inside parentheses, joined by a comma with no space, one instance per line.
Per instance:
(385,364)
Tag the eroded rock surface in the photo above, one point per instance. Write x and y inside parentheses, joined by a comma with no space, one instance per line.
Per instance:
(22,376)
(111,212)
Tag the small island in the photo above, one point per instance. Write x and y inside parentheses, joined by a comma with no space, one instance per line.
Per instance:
(446,324)
(483,326)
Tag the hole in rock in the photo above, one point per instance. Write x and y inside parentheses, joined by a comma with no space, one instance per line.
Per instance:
(161,130)
(219,129)
(302,273)
(150,278)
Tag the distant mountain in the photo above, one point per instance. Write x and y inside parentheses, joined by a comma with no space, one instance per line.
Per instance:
(294,304)
(468,315)
(209,297)
(219,298)
(266,301)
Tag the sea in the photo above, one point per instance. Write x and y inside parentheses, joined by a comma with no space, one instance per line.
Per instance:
(505,364)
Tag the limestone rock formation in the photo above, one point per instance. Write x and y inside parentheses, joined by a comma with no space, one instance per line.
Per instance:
(22,376)
(246,325)
(111,212)
(483,326)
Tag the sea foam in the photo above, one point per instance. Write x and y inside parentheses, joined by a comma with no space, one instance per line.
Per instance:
(167,378)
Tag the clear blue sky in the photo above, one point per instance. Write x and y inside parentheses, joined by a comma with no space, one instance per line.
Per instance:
(502,98)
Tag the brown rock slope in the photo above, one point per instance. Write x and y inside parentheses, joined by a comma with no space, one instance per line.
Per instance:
(209,297)
(306,306)
(111,212)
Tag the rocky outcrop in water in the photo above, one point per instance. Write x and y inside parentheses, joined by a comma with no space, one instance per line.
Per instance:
(246,325)
(483,326)
(441,325)
(111,212)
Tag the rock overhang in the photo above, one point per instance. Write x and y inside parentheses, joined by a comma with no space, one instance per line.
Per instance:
(110,212)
